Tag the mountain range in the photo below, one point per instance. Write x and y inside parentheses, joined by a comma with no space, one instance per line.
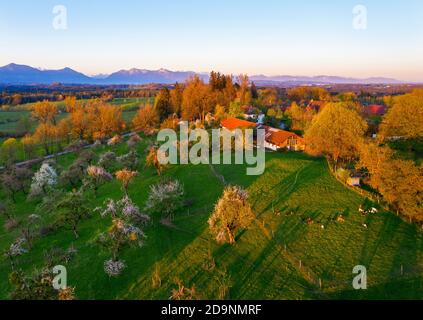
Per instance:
(15,74)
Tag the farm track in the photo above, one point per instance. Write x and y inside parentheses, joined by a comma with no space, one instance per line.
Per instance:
(220,177)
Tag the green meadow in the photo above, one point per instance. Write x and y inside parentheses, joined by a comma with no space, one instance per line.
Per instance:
(280,256)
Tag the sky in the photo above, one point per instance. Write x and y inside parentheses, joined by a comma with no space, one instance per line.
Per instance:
(272,37)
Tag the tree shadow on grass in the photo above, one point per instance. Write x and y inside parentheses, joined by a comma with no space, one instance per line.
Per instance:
(267,274)
(408,289)
(385,235)
(165,244)
(406,260)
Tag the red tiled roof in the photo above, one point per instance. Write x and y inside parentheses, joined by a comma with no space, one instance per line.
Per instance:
(234,123)
(280,137)
(375,109)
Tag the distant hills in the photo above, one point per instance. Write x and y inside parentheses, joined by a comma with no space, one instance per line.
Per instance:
(21,74)
(142,76)
(321,80)
(24,75)
(16,74)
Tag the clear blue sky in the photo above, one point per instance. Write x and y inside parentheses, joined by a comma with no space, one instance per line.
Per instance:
(297,37)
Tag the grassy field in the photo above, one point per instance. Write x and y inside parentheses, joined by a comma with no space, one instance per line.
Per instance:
(278,257)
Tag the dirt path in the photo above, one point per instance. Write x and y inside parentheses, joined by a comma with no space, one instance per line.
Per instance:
(217,175)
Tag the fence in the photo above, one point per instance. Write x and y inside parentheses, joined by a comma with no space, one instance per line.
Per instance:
(323,284)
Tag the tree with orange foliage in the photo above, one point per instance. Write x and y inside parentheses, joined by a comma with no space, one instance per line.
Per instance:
(170,123)
(300,94)
(64,130)
(197,100)
(146,119)
(80,120)
(399,181)
(244,93)
(301,117)
(80,117)
(105,121)
(162,104)
(220,113)
(46,135)
(152,160)
(268,96)
(71,104)
(44,112)
(176,96)
(125,177)
(405,117)
(336,132)
(372,157)
(401,184)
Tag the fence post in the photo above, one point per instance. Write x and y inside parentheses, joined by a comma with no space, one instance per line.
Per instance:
(301,264)
(320,283)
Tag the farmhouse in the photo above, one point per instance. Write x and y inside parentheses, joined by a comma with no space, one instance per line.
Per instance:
(354,181)
(275,140)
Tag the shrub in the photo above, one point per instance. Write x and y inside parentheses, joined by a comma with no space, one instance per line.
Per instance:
(129,160)
(107,160)
(114,141)
(57,256)
(134,140)
(37,286)
(184,293)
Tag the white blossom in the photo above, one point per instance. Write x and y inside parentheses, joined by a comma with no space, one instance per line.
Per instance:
(114,268)
(16,248)
(44,178)
(165,197)
(123,208)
